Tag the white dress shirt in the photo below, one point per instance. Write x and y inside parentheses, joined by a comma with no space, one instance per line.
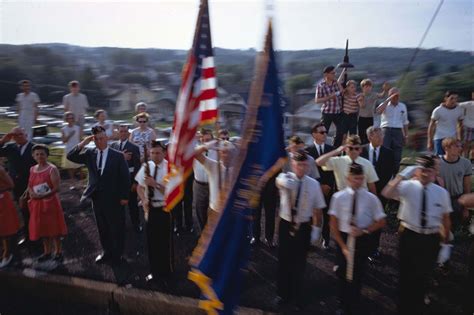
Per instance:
(105,153)
(319,148)
(122,144)
(409,192)
(200,173)
(211,167)
(158,196)
(394,116)
(340,165)
(368,208)
(311,197)
(371,153)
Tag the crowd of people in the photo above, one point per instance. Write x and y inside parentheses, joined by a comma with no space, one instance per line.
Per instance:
(327,191)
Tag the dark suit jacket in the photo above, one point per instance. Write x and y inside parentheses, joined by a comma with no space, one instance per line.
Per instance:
(134,162)
(18,165)
(114,183)
(384,167)
(327,177)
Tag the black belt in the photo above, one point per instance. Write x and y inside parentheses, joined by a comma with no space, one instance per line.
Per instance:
(393,128)
(201,183)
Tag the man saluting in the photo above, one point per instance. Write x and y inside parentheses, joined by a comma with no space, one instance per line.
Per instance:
(108,187)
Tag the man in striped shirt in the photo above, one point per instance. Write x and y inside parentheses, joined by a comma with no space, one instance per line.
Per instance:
(328,93)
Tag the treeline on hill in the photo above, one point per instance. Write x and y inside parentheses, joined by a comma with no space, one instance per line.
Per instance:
(51,66)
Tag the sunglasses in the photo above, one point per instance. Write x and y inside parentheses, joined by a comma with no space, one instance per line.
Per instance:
(225,138)
(354,148)
(323,132)
(142,121)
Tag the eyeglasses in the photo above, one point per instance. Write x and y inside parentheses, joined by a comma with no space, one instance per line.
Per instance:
(225,138)
(354,148)
(142,121)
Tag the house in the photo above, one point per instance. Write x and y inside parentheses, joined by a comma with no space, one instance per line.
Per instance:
(121,98)
(232,110)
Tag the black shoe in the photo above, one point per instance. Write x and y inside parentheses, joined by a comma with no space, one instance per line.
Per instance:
(22,241)
(101,259)
(253,241)
(58,257)
(150,279)
(139,228)
(43,257)
(325,245)
(279,301)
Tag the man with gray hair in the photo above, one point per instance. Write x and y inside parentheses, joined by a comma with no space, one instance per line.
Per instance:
(394,123)
(382,159)
(20,160)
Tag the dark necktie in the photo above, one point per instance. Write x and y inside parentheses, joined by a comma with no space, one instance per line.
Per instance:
(151,192)
(99,167)
(121,145)
(354,208)
(423,209)
(297,200)
(374,157)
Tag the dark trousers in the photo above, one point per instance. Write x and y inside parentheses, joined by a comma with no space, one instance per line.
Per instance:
(159,234)
(268,201)
(393,139)
(326,232)
(349,124)
(292,253)
(350,291)
(110,219)
(133,208)
(363,124)
(201,202)
(418,255)
(186,206)
(327,120)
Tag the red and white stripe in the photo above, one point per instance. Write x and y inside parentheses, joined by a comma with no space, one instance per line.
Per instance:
(208,98)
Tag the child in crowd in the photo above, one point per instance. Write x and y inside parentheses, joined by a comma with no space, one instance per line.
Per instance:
(71,135)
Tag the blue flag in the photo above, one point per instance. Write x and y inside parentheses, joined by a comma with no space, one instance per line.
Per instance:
(223,248)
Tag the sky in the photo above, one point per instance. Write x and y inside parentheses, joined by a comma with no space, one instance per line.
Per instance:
(239,24)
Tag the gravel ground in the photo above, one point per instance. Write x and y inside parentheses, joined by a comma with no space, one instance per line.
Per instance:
(81,246)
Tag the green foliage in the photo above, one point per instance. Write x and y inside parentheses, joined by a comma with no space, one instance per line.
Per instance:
(408,87)
(462,82)
(298,82)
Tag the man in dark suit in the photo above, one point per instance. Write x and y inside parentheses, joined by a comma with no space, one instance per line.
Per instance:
(20,160)
(383,160)
(109,188)
(131,153)
(327,181)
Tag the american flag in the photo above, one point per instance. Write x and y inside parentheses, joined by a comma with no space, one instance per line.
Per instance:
(196,104)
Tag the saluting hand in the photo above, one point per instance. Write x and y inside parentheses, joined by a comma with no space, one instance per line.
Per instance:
(127,155)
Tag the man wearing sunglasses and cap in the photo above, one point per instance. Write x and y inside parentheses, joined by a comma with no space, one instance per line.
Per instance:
(424,223)
(332,161)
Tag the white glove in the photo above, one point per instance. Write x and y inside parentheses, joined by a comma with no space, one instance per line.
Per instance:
(315,233)
(287,181)
(211,145)
(408,171)
(444,253)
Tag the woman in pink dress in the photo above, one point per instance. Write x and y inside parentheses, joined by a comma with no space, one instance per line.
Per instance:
(46,214)
(9,223)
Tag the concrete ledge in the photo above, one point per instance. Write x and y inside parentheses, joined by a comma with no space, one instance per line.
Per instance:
(57,287)
(101,294)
